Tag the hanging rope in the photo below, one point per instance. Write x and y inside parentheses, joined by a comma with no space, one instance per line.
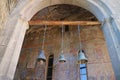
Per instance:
(44,36)
(80,45)
(62,37)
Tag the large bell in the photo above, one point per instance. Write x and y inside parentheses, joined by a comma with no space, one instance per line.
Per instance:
(81,57)
(62,58)
(41,56)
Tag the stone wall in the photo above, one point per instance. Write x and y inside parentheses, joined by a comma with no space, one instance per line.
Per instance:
(99,65)
(111,31)
(6,6)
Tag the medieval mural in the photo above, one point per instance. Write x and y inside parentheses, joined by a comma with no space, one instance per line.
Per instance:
(98,67)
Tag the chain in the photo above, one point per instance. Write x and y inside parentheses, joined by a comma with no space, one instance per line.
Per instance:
(44,36)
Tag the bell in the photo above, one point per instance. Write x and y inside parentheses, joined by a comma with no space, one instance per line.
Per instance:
(62,58)
(41,56)
(81,57)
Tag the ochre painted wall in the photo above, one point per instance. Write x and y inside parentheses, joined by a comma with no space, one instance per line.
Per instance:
(99,65)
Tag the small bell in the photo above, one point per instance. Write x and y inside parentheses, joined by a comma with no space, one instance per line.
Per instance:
(62,58)
(81,57)
(41,56)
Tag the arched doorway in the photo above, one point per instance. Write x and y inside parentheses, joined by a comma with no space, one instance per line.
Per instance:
(18,23)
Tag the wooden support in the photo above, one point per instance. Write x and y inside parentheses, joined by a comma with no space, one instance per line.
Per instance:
(82,23)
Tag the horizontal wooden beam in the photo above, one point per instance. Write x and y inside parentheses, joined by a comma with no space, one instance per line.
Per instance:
(82,23)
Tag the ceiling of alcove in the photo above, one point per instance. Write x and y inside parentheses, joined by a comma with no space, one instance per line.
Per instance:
(61,13)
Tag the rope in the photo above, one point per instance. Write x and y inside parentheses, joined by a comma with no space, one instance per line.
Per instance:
(62,37)
(44,36)
(80,45)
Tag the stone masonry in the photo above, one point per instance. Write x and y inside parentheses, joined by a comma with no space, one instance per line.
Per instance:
(11,38)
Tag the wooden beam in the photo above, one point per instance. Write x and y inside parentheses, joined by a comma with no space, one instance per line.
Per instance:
(82,23)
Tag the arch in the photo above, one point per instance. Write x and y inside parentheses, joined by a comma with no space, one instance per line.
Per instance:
(23,12)
(34,6)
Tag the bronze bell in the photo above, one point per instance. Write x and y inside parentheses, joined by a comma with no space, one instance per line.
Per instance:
(62,58)
(41,56)
(81,57)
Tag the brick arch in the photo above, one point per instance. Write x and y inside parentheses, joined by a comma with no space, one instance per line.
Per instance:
(18,24)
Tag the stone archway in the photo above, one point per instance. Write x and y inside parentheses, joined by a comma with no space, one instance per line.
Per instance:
(14,32)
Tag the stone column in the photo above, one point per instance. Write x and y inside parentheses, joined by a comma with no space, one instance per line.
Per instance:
(12,52)
(112,41)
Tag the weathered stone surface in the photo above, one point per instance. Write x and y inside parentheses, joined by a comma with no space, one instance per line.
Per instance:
(3,13)
(100,8)
(6,6)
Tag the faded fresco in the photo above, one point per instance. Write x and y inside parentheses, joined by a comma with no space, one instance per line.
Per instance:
(98,67)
